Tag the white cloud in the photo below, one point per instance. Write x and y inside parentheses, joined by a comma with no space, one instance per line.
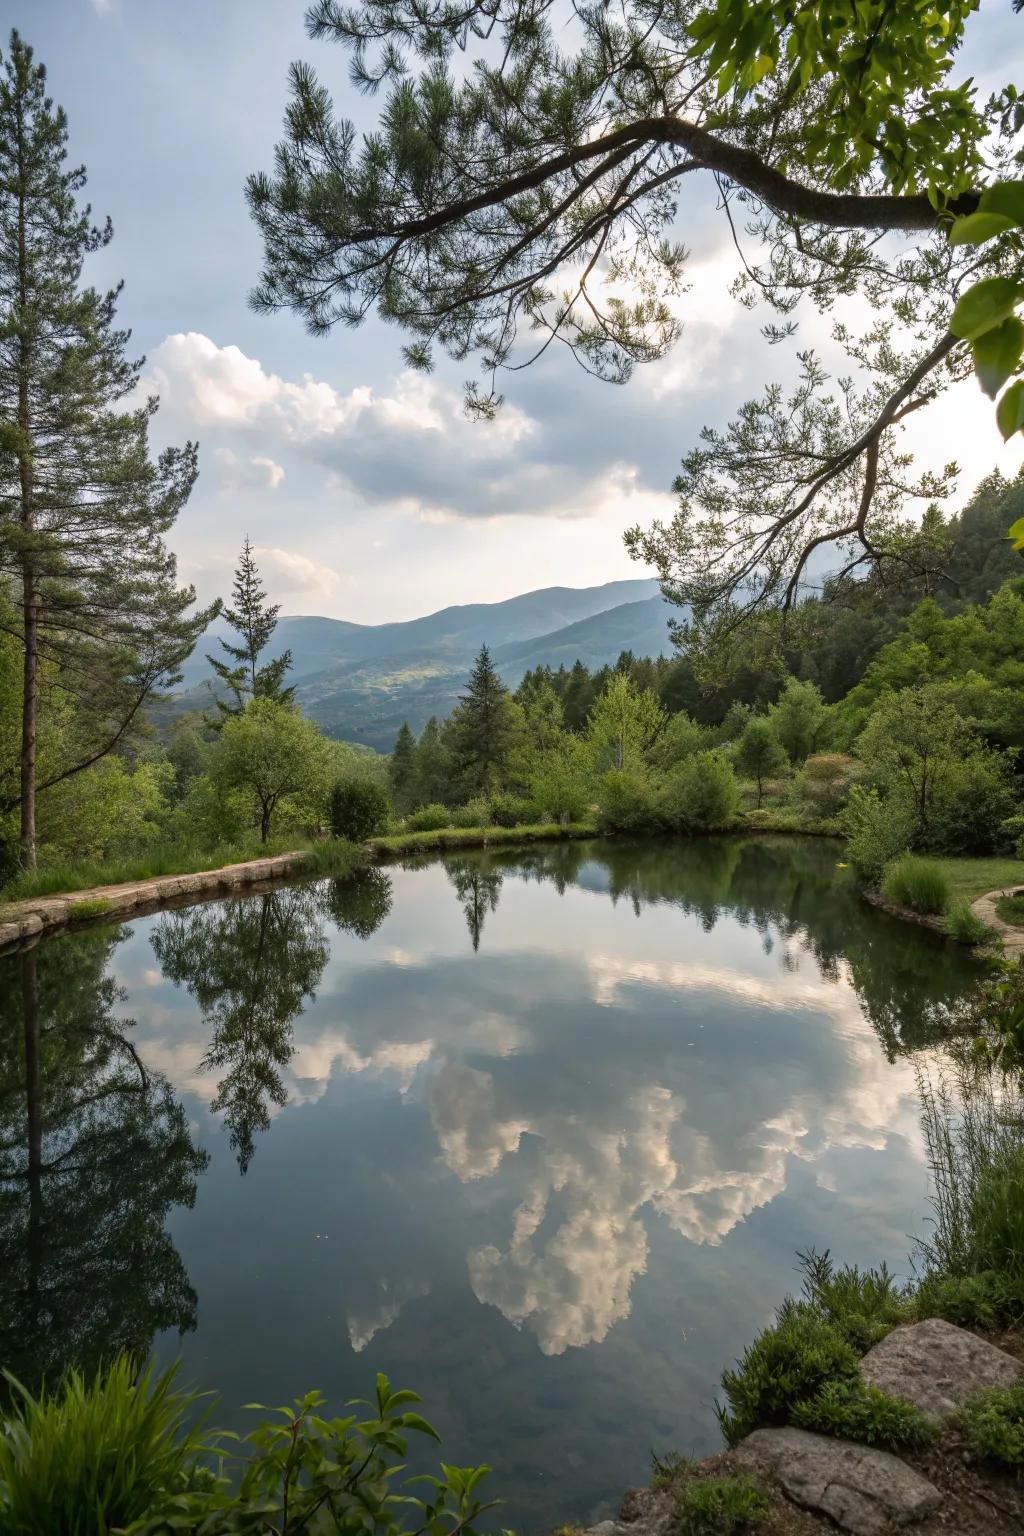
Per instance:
(288,572)
(240,473)
(221,386)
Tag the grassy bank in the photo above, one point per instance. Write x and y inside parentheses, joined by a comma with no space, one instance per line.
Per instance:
(970,878)
(332,856)
(479,837)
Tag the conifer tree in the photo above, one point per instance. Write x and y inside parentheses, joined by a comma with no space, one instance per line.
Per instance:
(254,620)
(482,728)
(97,615)
(433,765)
(402,770)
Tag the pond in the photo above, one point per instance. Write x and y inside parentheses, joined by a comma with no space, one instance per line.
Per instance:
(539,1133)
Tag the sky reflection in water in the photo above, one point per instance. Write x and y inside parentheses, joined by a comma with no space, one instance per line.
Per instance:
(538,1133)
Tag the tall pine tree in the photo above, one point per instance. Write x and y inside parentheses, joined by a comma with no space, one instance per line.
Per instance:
(481,730)
(254,620)
(97,615)
(402,770)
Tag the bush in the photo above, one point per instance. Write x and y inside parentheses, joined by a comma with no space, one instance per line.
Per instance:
(475,813)
(722,1506)
(994,1425)
(429,818)
(853,1410)
(988,1300)
(917,883)
(876,831)
(360,807)
(965,926)
(996,1212)
(626,803)
(703,796)
(824,782)
(510,810)
(787,1364)
(94,1455)
(864,1304)
(970,808)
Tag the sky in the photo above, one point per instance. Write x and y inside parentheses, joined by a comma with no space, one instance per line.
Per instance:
(367,493)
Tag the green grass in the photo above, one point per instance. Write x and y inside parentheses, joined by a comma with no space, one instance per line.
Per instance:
(970,878)
(917,883)
(329,856)
(722,1506)
(479,837)
(96,1454)
(1011,910)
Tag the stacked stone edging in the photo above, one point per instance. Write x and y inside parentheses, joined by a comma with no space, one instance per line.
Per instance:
(1012,939)
(21,920)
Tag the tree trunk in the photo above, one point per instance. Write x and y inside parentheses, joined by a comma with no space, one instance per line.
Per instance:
(30,597)
(268,811)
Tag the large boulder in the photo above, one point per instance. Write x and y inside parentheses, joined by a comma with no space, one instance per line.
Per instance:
(937,1366)
(865,1491)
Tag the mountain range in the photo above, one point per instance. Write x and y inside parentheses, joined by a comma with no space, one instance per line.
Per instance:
(360,681)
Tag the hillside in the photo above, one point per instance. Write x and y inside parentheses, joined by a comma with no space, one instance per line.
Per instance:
(360,681)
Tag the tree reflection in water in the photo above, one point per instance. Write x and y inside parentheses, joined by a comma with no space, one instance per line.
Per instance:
(360,903)
(95,1151)
(478,885)
(250,965)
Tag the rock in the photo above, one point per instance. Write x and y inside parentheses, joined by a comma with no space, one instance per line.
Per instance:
(937,1366)
(865,1491)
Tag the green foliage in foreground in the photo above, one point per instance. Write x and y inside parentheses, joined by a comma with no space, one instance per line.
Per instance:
(722,1506)
(114,1453)
(917,883)
(994,1425)
(95,1455)
(964,926)
(804,1368)
(989,1300)
(855,1410)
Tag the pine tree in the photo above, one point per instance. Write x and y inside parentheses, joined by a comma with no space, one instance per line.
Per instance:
(433,765)
(98,616)
(481,729)
(402,770)
(578,697)
(255,621)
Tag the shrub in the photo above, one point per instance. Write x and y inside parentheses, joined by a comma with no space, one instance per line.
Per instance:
(863,1304)
(996,1212)
(95,1454)
(475,813)
(824,782)
(917,883)
(965,926)
(876,831)
(626,803)
(722,1506)
(994,1425)
(968,813)
(360,807)
(987,1300)
(787,1364)
(701,796)
(429,818)
(854,1410)
(510,810)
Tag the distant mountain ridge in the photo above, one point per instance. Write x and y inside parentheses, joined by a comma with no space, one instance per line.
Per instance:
(360,681)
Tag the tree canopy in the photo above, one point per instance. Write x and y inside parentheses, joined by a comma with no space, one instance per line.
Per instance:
(522,188)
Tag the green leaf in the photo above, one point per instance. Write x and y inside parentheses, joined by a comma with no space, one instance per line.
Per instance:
(416,1421)
(984,306)
(997,353)
(1005,198)
(1010,410)
(1016,533)
(976,228)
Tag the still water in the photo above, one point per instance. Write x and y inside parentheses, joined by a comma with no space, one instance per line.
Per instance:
(538,1133)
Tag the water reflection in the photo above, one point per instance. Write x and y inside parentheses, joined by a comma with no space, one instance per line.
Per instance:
(95,1151)
(250,965)
(556,1117)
